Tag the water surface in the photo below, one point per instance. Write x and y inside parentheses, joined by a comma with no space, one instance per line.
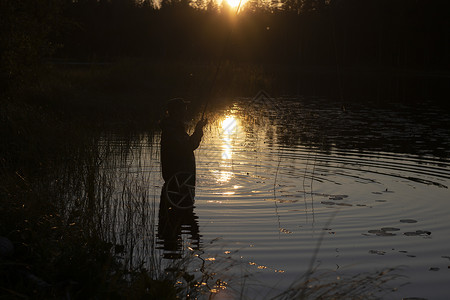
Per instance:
(288,183)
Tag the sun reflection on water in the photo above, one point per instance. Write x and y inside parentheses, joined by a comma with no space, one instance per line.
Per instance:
(229,129)
(229,125)
(223,176)
(227,150)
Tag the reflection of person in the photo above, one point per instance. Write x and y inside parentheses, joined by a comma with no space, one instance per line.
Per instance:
(173,222)
(177,147)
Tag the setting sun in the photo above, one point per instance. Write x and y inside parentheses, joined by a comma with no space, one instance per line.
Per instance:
(235,3)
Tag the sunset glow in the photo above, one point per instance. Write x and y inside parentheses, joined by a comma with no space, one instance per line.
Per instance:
(235,3)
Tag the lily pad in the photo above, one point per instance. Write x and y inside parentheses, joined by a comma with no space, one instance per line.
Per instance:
(423,232)
(390,229)
(417,232)
(384,233)
(344,204)
(381,232)
(408,221)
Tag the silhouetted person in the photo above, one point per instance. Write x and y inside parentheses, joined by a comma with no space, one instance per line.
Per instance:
(176,208)
(177,147)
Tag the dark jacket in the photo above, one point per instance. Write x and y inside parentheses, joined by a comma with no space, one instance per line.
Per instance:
(177,148)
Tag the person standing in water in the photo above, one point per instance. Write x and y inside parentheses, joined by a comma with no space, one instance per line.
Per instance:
(177,146)
(176,209)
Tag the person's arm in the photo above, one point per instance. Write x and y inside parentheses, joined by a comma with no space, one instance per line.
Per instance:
(196,137)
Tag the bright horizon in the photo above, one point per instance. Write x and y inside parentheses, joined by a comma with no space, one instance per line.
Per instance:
(235,3)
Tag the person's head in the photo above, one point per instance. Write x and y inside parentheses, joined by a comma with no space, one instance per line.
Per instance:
(177,108)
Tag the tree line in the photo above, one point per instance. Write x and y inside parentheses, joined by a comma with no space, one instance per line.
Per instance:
(399,33)
(383,33)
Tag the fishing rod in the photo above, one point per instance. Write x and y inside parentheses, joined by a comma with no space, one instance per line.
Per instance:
(219,65)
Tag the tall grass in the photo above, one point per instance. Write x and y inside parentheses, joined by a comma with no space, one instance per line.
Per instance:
(80,207)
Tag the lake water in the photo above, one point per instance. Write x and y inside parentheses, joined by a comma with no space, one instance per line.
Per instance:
(284,185)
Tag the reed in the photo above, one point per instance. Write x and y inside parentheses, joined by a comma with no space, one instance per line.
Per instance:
(84,223)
